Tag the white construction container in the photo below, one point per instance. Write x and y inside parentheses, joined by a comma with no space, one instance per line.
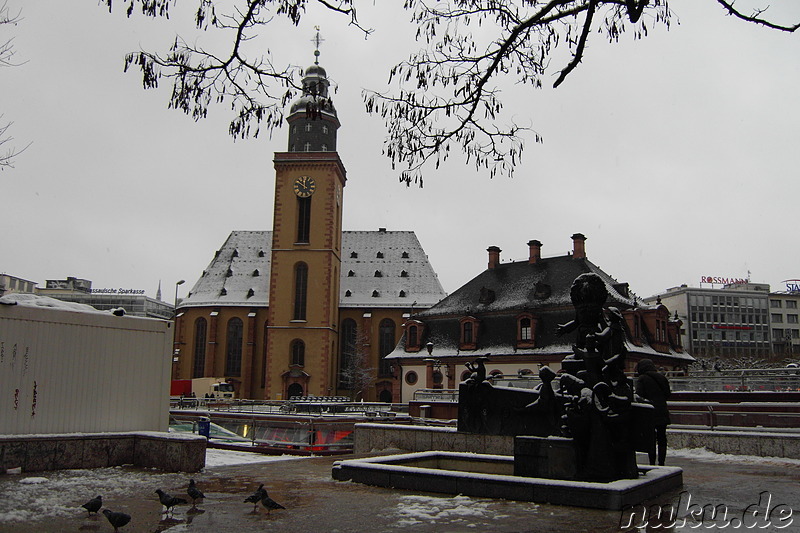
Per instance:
(81,371)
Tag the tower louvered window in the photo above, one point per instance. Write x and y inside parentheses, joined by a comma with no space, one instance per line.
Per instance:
(300,291)
(303,220)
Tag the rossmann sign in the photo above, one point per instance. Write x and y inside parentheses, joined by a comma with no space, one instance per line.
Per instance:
(792,285)
(716,280)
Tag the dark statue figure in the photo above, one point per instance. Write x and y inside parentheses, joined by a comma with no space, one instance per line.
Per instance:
(478,369)
(593,406)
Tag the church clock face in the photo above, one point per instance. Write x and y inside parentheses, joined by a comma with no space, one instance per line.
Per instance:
(304,186)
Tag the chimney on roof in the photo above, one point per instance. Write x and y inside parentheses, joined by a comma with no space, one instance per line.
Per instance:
(579,246)
(535,248)
(494,256)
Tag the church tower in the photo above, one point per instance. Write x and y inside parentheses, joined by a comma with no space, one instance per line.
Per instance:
(302,331)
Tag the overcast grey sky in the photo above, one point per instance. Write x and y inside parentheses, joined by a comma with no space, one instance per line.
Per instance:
(675,155)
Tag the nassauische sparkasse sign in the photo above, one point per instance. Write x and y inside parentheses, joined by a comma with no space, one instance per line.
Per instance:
(118,291)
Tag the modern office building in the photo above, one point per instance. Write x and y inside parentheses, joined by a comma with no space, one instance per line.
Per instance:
(731,321)
(134,301)
(784,308)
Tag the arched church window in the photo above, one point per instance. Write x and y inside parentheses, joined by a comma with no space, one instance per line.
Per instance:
(386,344)
(233,351)
(199,363)
(347,355)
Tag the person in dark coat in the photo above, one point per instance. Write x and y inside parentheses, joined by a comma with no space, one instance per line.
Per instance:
(654,387)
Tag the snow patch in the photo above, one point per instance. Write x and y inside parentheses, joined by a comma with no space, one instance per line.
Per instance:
(33,480)
(414,510)
(216,458)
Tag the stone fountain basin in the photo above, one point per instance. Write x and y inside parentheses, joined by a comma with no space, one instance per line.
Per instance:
(491,476)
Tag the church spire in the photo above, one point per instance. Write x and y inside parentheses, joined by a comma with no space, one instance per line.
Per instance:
(312,118)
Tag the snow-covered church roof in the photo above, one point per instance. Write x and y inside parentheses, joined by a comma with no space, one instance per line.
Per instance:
(379,269)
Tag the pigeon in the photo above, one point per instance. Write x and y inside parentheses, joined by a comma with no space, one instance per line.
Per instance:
(193,492)
(117,519)
(270,504)
(169,501)
(256,497)
(93,505)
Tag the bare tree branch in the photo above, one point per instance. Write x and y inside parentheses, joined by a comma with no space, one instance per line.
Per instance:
(7,52)
(756,17)
(445,98)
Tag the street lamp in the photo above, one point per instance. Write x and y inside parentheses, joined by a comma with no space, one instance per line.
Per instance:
(177,284)
(175,346)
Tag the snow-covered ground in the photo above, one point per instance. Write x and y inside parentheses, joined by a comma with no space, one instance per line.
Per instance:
(52,494)
(702,454)
(45,495)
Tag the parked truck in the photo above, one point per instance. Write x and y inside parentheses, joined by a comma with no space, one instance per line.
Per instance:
(202,388)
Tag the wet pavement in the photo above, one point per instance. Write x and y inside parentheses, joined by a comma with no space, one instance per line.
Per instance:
(316,503)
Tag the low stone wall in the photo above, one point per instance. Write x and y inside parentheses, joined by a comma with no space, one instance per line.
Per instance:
(370,437)
(165,451)
(760,444)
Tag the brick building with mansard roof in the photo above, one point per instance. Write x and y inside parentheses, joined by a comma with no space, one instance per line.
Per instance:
(287,312)
(511,311)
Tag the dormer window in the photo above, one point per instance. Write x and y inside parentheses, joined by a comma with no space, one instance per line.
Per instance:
(325,129)
(402,294)
(375,294)
(235,253)
(347,293)
(256,273)
(404,255)
(469,333)
(379,255)
(526,328)
(261,253)
(251,293)
(229,273)
(414,333)
(403,274)
(353,255)
(308,127)
(378,274)
(324,148)
(307,147)
(351,274)
(223,292)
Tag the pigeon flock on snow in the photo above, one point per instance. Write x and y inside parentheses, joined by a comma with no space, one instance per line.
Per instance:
(118,519)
